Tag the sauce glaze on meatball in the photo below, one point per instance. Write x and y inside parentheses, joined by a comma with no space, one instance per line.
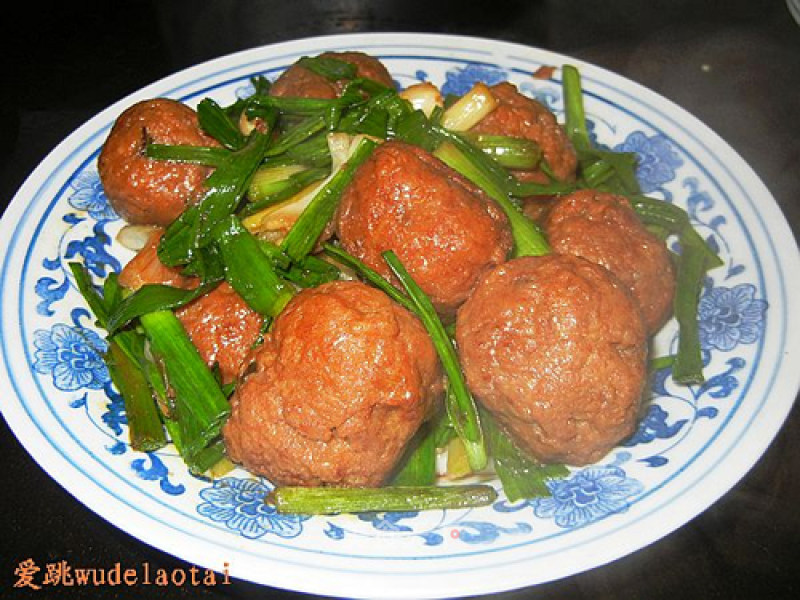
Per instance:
(300,82)
(519,116)
(604,229)
(220,323)
(555,348)
(144,190)
(446,231)
(338,388)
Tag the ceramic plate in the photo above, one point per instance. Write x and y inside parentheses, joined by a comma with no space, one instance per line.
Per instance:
(693,444)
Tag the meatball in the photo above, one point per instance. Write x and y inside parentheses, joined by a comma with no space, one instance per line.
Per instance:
(555,348)
(145,268)
(220,324)
(604,229)
(223,328)
(338,388)
(517,115)
(144,190)
(297,81)
(446,231)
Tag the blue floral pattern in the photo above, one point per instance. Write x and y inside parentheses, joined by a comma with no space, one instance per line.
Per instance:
(89,196)
(730,316)
(239,505)
(72,356)
(658,159)
(460,80)
(587,496)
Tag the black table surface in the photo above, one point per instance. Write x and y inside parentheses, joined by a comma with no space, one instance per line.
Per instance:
(734,64)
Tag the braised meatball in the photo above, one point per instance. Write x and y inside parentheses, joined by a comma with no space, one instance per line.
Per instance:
(223,328)
(445,230)
(555,348)
(338,388)
(604,229)
(220,324)
(144,190)
(145,268)
(516,115)
(300,82)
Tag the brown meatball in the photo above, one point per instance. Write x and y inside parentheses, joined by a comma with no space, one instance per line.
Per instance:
(220,324)
(144,190)
(445,230)
(519,116)
(555,348)
(604,229)
(299,82)
(146,268)
(337,390)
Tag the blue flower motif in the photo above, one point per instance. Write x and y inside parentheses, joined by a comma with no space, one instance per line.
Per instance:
(239,504)
(388,521)
(730,316)
(157,471)
(72,356)
(89,196)
(460,80)
(654,426)
(657,159)
(587,496)
(481,532)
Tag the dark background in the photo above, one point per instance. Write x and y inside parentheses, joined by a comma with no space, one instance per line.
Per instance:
(734,64)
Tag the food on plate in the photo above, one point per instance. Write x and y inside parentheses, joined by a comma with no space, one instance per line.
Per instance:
(604,229)
(301,80)
(146,191)
(555,347)
(369,277)
(520,116)
(219,323)
(444,229)
(146,268)
(338,388)
(223,328)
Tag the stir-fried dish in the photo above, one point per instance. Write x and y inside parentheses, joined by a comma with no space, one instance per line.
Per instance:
(370,296)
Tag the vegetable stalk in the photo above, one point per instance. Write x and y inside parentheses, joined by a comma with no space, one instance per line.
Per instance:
(330,500)
(200,407)
(460,403)
(303,236)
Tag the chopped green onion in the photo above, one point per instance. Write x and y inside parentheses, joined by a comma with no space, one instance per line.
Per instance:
(298,134)
(662,362)
(200,407)
(215,121)
(151,298)
(695,260)
(475,166)
(692,267)
(126,364)
(328,67)
(521,477)
(262,198)
(460,404)
(369,274)
(330,500)
(419,464)
(303,236)
(250,272)
(145,429)
(509,152)
(226,186)
(575,116)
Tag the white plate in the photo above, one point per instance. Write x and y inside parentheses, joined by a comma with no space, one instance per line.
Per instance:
(694,445)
